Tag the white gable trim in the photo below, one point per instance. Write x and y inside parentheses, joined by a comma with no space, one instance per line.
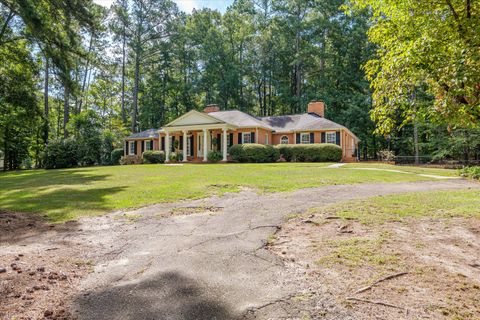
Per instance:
(196,118)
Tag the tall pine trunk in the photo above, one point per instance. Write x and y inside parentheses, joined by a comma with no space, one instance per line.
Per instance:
(124,116)
(66,111)
(46,107)
(135,91)
(87,66)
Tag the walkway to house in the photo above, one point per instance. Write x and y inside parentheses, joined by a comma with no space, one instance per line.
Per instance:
(205,259)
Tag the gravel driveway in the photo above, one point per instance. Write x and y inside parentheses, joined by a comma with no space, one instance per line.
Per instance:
(204,259)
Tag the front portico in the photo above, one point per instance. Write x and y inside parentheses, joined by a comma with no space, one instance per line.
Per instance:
(197,132)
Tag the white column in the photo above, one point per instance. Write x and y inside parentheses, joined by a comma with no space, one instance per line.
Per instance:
(205,146)
(167,147)
(184,146)
(225,144)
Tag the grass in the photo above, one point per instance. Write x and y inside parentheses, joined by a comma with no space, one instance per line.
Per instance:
(432,204)
(358,252)
(67,194)
(410,169)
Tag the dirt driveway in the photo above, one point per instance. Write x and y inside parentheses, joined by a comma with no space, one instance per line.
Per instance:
(203,259)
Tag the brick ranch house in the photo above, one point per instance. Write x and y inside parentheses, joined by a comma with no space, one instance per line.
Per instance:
(200,132)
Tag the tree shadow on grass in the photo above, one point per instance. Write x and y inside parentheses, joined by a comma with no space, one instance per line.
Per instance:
(168,295)
(27,215)
(56,193)
(41,179)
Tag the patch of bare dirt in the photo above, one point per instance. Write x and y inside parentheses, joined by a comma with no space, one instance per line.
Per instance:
(16,226)
(417,268)
(37,277)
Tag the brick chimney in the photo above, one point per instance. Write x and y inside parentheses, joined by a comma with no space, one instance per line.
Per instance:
(317,107)
(211,108)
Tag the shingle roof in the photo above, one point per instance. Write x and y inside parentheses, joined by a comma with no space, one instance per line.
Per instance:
(239,118)
(150,133)
(297,122)
(300,122)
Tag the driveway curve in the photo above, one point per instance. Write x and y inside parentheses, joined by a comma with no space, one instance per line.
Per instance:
(210,264)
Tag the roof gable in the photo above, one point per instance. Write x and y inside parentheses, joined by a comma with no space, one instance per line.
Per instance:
(240,119)
(193,117)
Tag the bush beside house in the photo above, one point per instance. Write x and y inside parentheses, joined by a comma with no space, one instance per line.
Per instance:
(115,156)
(316,152)
(214,156)
(253,152)
(470,172)
(131,159)
(152,156)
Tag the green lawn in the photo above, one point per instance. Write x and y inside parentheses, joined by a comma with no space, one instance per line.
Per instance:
(433,204)
(67,194)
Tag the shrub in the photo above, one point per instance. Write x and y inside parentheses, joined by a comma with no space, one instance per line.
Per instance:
(115,156)
(315,152)
(108,140)
(214,156)
(252,152)
(471,172)
(130,159)
(61,154)
(176,157)
(152,156)
(386,155)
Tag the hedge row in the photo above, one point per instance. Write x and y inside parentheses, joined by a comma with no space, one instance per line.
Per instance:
(151,156)
(316,152)
(253,152)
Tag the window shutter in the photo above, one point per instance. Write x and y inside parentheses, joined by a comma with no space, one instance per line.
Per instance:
(337,137)
(163,144)
(323,137)
(312,137)
(151,144)
(135,147)
(191,146)
(126,148)
(230,143)
(239,138)
(252,137)
(172,147)
(219,143)
(181,143)
(297,138)
(143,145)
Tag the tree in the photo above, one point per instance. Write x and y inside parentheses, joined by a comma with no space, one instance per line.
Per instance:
(429,42)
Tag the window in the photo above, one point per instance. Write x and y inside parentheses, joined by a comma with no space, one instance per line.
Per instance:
(332,137)
(246,137)
(304,137)
(147,145)
(131,146)
(284,140)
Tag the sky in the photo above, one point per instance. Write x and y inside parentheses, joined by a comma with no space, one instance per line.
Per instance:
(188,5)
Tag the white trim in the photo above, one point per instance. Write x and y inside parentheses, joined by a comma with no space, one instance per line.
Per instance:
(185,147)
(206,133)
(145,145)
(224,146)
(330,132)
(195,112)
(302,134)
(167,147)
(130,144)
(243,137)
